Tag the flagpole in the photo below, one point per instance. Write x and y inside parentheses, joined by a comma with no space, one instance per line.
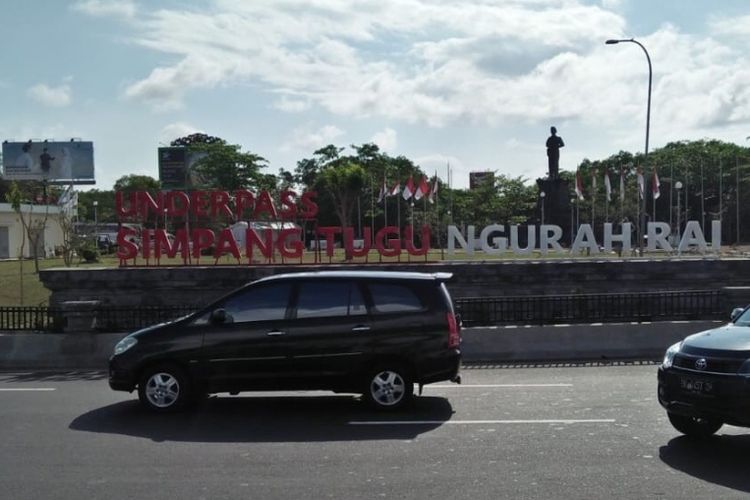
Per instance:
(622,194)
(671,190)
(687,178)
(372,210)
(385,200)
(593,200)
(737,197)
(653,193)
(703,202)
(398,202)
(638,197)
(721,193)
(438,222)
(607,186)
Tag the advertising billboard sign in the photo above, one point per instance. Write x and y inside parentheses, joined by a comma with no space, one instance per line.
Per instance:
(69,162)
(176,168)
(172,167)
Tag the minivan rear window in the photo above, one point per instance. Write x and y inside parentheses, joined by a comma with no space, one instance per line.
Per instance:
(392,297)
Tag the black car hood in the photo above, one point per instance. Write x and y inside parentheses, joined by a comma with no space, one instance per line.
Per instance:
(726,338)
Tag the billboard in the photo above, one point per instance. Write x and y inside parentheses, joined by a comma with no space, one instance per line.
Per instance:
(476,179)
(69,162)
(176,168)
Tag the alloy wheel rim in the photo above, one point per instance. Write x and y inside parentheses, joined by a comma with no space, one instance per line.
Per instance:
(387,388)
(162,390)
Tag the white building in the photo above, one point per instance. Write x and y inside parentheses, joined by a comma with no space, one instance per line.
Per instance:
(12,232)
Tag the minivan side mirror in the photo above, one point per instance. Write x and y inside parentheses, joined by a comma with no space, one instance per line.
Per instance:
(218,316)
(736,312)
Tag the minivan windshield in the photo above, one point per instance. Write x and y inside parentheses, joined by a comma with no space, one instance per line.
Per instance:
(744,318)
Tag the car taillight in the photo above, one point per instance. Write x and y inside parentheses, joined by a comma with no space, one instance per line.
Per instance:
(453,335)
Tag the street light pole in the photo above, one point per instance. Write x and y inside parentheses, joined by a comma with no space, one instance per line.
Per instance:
(678,188)
(642,218)
(96,219)
(542,195)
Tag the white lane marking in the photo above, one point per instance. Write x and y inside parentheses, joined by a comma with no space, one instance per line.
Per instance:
(32,389)
(479,422)
(459,386)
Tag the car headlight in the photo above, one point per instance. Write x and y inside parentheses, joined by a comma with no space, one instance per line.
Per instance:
(125,344)
(669,355)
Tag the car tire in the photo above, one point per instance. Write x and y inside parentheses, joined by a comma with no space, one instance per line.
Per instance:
(164,388)
(697,427)
(389,388)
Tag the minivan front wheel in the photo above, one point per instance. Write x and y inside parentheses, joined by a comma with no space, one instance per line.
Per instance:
(389,388)
(164,388)
(697,427)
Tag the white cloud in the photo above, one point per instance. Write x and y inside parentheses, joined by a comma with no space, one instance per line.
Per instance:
(486,63)
(386,140)
(305,139)
(101,8)
(612,4)
(57,97)
(174,130)
(732,26)
(291,105)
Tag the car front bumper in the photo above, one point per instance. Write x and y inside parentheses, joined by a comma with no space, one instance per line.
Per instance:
(120,377)
(696,394)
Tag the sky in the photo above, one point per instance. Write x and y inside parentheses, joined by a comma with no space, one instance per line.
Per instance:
(474,84)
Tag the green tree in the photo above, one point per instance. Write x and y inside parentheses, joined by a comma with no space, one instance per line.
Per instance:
(343,181)
(135,182)
(223,166)
(33,227)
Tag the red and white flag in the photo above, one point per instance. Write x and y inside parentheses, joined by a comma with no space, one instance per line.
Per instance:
(655,184)
(422,190)
(607,185)
(383,192)
(395,189)
(434,192)
(579,185)
(641,182)
(409,189)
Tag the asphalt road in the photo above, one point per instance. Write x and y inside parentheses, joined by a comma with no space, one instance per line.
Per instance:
(521,432)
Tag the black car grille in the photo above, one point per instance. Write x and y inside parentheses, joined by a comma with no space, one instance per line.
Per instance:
(713,365)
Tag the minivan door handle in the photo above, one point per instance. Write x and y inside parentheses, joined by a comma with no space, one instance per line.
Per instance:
(274,333)
(361,328)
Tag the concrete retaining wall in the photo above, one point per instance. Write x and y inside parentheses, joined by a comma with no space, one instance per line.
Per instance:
(495,344)
(200,285)
(577,342)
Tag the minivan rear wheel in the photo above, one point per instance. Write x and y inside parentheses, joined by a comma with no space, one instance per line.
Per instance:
(389,388)
(164,388)
(697,427)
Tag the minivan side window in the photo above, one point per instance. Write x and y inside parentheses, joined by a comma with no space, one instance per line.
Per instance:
(323,299)
(262,303)
(392,298)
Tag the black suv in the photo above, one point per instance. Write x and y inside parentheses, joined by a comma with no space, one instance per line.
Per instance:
(704,381)
(370,332)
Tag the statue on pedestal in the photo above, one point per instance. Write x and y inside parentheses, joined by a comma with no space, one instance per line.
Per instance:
(554,143)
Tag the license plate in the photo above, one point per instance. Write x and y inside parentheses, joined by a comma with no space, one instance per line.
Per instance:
(697,386)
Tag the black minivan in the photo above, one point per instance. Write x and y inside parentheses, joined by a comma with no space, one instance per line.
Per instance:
(371,332)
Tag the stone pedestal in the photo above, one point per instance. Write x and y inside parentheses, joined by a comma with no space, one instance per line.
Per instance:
(79,315)
(557,207)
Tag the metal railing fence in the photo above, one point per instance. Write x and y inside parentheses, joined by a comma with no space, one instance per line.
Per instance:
(592,308)
(108,318)
(475,311)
